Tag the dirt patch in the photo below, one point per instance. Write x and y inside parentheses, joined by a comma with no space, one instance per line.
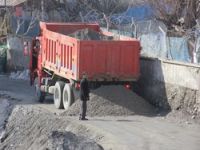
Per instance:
(113,101)
(30,128)
(88,34)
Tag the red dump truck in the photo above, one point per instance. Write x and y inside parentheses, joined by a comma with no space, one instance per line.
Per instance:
(58,61)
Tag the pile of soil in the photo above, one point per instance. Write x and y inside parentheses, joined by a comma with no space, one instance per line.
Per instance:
(88,34)
(113,101)
(182,117)
(6,106)
(29,127)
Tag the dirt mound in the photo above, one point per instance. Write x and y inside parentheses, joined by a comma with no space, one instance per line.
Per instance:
(30,128)
(6,106)
(88,34)
(113,101)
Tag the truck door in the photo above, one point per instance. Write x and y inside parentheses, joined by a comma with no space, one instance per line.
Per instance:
(33,66)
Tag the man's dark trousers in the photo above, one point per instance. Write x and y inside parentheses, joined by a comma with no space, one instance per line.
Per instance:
(83,108)
(84,96)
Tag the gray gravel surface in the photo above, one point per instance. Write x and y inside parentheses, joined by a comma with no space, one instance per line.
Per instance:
(113,101)
(36,126)
(30,128)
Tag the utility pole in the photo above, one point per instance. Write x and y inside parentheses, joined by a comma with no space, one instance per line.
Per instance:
(5,3)
(5,16)
(42,9)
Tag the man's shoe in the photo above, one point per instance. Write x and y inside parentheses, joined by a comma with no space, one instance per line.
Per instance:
(85,119)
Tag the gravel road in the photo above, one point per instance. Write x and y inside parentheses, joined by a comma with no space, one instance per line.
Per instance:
(40,126)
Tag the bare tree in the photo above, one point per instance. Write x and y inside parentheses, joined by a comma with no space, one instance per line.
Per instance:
(177,12)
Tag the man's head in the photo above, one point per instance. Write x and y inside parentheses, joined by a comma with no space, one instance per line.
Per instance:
(84,76)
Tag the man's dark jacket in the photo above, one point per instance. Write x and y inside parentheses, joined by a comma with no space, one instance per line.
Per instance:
(84,90)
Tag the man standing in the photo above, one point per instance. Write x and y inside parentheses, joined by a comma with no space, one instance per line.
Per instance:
(84,96)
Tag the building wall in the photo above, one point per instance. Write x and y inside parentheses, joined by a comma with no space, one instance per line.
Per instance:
(15,54)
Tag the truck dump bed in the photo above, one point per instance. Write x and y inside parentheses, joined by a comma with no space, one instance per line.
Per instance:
(101,60)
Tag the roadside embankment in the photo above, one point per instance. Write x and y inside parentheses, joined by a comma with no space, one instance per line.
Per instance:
(170,85)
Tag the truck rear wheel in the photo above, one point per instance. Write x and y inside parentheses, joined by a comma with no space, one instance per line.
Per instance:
(58,92)
(68,96)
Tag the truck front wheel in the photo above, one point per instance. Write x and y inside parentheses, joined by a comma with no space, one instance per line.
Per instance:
(40,96)
(58,92)
(68,96)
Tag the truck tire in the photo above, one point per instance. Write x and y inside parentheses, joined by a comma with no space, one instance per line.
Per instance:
(58,92)
(40,96)
(68,96)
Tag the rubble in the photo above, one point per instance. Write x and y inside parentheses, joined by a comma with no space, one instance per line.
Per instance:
(5,110)
(20,75)
(113,101)
(30,128)
(88,34)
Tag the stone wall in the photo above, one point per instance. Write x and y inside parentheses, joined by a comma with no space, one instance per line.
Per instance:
(170,85)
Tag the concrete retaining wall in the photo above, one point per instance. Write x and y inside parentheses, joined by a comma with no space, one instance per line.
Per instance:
(170,85)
